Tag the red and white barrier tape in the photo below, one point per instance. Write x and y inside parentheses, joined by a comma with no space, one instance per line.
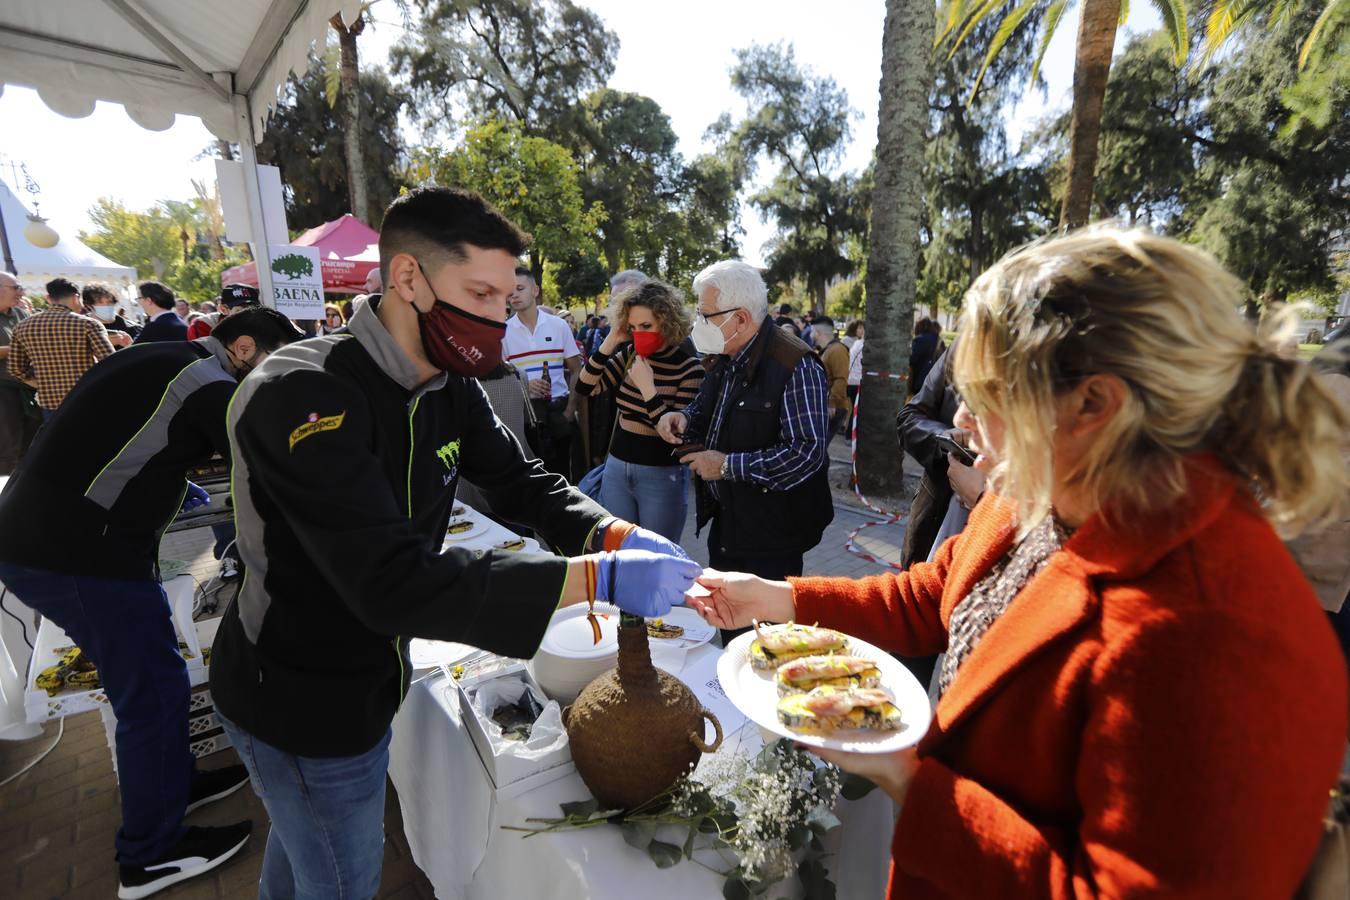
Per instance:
(889,518)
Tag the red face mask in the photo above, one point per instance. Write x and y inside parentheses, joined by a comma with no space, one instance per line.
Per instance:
(646,342)
(458,341)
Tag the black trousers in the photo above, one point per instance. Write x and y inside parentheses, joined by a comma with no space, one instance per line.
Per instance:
(774,567)
(17,427)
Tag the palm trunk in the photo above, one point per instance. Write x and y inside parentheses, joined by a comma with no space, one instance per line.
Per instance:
(351,118)
(1092,67)
(893,260)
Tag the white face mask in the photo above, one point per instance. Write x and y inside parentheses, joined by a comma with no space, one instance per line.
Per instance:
(707,337)
(105,313)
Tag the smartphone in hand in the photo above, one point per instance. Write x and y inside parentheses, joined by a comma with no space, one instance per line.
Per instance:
(964,454)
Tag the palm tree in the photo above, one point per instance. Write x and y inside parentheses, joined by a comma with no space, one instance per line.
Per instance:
(183,214)
(893,258)
(347,76)
(1098,20)
(1321,59)
(212,216)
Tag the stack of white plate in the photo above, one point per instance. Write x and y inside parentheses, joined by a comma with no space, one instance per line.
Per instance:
(569,658)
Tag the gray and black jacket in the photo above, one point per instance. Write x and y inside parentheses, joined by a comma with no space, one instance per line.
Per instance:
(345,475)
(106,475)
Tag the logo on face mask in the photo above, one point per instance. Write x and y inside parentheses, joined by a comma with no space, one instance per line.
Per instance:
(458,341)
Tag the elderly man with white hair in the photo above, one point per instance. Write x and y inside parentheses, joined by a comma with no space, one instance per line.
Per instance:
(757,433)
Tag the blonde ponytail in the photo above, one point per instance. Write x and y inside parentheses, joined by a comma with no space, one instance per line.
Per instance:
(1285,430)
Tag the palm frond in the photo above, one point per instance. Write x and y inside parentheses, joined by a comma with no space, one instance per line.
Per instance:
(332,73)
(1053,13)
(1124,12)
(1173,14)
(1005,31)
(982,11)
(1332,10)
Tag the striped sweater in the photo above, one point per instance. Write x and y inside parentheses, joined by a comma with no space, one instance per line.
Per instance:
(678,374)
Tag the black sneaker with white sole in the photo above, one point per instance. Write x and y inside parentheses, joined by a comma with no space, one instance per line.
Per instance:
(198,851)
(214,784)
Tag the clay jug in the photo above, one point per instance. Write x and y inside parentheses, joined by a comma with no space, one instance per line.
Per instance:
(635,729)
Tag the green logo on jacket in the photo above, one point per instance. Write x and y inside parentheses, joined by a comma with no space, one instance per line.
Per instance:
(449,454)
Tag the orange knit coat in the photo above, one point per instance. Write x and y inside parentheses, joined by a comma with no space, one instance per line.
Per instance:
(1159,713)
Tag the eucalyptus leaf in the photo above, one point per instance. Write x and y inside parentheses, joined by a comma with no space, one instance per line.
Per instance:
(817,846)
(638,834)
(798,836)
(855,787)
(821,820)
(581,807)
(663,854)
(689,841)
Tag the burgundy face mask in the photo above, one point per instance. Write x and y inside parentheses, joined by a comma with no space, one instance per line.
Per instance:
(460,342)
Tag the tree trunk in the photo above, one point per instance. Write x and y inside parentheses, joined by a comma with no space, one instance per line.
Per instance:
(893,260)
(351,115)
(1092,67)
(817,295)
(223,148)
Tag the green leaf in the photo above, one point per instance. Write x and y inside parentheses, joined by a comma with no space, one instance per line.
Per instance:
(1053,13)
(822,821)
(735,889)
(663,854)
(797,837)
(855,787)
(1005,31)
(581,807)
(689,841)
(1318,27)
(638,834)
(1173,14)
(332,74)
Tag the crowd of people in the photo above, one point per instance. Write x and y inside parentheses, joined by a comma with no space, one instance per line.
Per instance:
(1136,692)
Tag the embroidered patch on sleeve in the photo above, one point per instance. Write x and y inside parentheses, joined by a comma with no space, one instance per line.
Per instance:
(314,424)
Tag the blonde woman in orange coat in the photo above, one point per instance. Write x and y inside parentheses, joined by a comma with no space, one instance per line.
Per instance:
(1141,696)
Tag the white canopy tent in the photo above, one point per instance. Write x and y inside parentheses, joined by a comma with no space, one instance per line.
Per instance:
(70,258)
(225,62)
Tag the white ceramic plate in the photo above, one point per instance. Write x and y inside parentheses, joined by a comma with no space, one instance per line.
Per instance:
(696,631)
(478,528)
(569,635)
(755,694)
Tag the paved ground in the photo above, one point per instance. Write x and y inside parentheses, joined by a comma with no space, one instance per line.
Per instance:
(57,821)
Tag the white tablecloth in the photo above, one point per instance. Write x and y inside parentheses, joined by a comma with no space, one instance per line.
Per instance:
(453,817)
(453,822)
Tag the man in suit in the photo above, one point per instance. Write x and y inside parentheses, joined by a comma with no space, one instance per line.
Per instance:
(161,322)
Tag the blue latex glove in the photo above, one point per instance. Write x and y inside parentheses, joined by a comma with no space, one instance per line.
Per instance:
(644,583)
(195,497)
(642,539)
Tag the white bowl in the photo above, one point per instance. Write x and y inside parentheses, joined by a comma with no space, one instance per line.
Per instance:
(568,657)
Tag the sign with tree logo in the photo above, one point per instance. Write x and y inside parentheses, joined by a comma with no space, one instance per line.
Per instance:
(297,281)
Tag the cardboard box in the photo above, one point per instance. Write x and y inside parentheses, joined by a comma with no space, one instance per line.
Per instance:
(511,775)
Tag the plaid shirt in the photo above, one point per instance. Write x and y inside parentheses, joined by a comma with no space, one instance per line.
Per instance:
(803,423)
(54,348)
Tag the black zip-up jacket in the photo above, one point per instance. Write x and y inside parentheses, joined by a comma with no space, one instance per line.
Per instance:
(106,475)
(345,474)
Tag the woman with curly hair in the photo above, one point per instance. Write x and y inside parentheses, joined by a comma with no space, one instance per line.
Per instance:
(1140,696)
(644,359)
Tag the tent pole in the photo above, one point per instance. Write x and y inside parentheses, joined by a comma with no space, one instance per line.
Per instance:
(262,241)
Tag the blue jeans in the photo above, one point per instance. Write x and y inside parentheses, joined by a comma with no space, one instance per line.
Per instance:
(126,628)
(655,497)
(327,835)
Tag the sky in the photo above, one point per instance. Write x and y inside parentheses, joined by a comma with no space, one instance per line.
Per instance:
(680,60)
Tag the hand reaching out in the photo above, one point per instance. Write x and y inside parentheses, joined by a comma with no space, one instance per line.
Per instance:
(735,599)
